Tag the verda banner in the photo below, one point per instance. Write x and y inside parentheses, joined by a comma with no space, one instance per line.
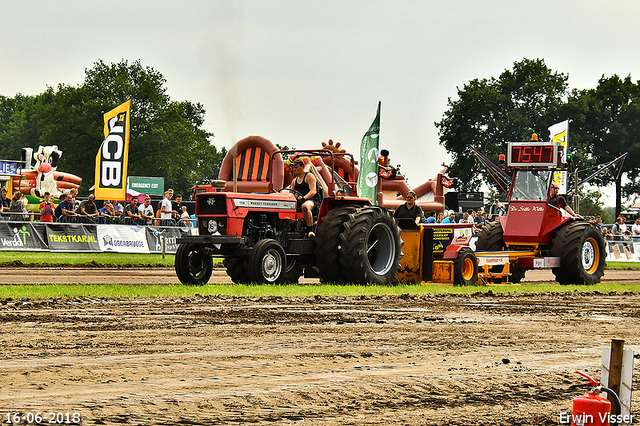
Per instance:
(368,176)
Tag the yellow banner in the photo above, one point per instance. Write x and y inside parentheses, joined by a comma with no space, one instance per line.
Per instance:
(113,157)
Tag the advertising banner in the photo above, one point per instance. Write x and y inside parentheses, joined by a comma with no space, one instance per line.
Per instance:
(113,156)
(155,234)
(122,239)
(368,176)
(16,236)
(8,168)
(623,251)
(72,237)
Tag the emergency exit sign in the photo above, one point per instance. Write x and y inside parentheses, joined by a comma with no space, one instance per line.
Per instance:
(146,185)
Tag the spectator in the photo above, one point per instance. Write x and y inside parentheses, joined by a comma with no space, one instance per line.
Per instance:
(450,219)
(131,212)
(619,228)
(440,217)
(47,209)
(6,202)
(479,220)
(177,207)
(501,210)
(146,212)
(599,222)
(432,218)
(409,209)
(118,210)
(88,208)
(74,196)
(106,212)
(166,211)
(17,206)
(185,219)
(635,229)
(65,210)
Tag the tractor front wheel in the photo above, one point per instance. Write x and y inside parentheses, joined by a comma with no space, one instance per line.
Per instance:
(268,262)
(193,265)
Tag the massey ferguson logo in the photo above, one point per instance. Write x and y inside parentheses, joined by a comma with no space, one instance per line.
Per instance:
(112,153)
(211,201)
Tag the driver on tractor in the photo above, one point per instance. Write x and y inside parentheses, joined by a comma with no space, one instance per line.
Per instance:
(557,201)
(305,184)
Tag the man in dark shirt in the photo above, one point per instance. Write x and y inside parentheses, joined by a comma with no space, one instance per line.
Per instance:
(479,220)
(131,212)
(409,209)
(88,207)
(65,208)
(6,202)
(557,201)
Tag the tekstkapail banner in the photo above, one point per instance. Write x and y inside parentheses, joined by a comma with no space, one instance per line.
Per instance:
(368,176)
(560,133)
(63,237)
(113,157)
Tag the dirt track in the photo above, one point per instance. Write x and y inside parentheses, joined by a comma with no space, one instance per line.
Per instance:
(458,360)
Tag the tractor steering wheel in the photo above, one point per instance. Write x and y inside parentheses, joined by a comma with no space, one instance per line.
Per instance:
(295,192)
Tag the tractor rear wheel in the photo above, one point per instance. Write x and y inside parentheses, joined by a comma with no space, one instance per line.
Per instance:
(193,265)
(580,247)
(268,262)
(465,268)
(490,237)
(237,269)
(294,271)
(328,244)
(371,247)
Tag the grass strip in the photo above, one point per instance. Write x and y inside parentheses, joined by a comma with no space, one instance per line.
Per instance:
(119,291)
(118,259)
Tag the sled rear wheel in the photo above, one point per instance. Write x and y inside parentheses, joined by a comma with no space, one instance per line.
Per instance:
(193,265)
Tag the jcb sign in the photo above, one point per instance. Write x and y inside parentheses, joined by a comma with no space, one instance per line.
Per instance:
(113,156)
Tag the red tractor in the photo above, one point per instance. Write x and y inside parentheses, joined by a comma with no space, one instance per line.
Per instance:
(263,239)
(536,234)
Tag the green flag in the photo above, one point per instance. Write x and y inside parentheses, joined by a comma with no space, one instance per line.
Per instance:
(368,175)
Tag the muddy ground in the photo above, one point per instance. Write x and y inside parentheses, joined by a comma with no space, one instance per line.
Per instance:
(482,359)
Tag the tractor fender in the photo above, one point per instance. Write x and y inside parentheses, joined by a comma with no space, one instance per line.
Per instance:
(451,253)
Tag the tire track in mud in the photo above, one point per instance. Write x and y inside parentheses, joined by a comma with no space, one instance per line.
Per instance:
(435,359)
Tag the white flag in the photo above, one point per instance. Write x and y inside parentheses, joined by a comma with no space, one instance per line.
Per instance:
(560,133)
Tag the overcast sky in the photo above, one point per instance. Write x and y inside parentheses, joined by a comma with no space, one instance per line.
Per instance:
(301,72)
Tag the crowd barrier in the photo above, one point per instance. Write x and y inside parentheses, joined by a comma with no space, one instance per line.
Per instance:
(81,237)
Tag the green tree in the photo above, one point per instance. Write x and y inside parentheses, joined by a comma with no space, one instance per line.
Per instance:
(490,112)
(606,125)
(167,138)
(18,127)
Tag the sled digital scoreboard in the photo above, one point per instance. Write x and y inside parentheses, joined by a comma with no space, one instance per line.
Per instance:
(532,154)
